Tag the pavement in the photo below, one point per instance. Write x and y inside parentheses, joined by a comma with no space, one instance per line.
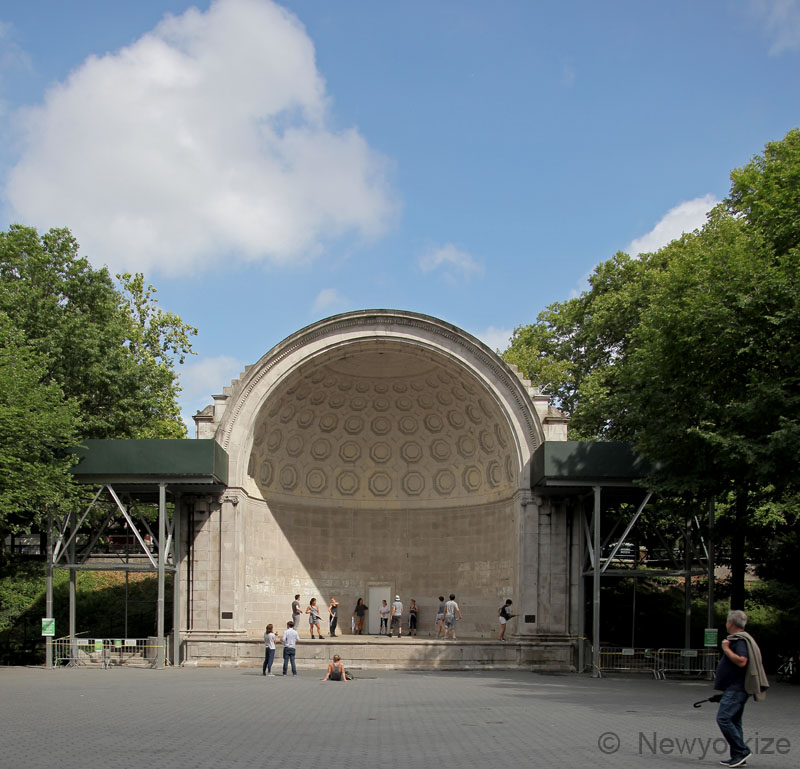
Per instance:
(233,718)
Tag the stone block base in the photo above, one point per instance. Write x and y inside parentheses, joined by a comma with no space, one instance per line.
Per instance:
(379,652)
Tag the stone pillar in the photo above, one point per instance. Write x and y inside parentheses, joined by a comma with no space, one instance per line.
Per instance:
(231,562)
(527,598)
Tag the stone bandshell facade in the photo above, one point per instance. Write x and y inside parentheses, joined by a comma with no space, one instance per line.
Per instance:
(378,448)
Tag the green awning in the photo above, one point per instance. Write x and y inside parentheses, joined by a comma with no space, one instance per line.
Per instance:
(587,463)
(136,462)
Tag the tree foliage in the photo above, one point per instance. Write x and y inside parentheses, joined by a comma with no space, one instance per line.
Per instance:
(81,358)
(37,424)
(693,352)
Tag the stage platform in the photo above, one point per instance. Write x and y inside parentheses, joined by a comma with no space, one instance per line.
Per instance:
(382,652)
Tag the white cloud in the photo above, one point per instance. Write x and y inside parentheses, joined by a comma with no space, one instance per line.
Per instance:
(202,378)
(685,217)
(206,139)
(781,20)
(451,260)
(496,338)
(329,299)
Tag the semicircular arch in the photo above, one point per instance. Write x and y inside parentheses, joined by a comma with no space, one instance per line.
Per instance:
(379,345)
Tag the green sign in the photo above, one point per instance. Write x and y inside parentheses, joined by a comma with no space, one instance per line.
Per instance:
(710,636)
(48,626)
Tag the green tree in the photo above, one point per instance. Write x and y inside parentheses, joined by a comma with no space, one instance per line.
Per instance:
(693,353)
(81,359)
(576,348)
(111,350)
(37,427)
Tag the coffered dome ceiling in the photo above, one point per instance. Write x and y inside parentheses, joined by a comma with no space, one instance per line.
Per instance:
(400,426)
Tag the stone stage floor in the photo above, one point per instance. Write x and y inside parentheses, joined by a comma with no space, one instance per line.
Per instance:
(233,718)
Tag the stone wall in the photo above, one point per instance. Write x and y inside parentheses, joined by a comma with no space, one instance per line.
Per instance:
(418,553)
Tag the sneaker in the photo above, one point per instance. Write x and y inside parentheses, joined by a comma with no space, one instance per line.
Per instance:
(270,675)
(740,761)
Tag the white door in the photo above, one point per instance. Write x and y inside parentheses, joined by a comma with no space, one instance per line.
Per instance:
(376,594)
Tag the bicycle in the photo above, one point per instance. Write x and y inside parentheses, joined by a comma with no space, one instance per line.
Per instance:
(789,668)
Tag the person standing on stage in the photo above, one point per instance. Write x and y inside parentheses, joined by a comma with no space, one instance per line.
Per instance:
(333,612)
(450,611)
(396,617)
(296,612)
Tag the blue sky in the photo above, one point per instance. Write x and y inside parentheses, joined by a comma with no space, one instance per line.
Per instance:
(267,165)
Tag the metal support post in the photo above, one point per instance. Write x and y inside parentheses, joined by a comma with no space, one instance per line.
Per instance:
(162,540)
(73,575)
(596,585)
(687,585)
(711,515)
(48,648)
(580,513)
(176,581)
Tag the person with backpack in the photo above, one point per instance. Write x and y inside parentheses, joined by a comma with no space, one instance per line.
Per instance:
(504,613)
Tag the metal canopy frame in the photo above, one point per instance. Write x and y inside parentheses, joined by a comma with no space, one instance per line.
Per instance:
(135,471)
(586,471)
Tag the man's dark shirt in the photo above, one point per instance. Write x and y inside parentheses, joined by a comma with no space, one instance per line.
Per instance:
(728,675)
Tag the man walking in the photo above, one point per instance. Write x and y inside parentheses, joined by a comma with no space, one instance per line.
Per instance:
(739,674)
(289,641)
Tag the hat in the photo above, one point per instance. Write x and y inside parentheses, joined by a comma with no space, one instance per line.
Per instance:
(397,598)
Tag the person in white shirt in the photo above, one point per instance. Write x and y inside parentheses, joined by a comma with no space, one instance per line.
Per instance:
(396,616)
(384,610)
(289,641)
(269,652)
(450,611)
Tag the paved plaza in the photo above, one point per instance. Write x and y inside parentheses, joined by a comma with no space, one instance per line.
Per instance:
(236,719)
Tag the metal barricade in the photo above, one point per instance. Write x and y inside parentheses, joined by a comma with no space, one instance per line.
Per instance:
(627,660)
(696,662)
(105,652)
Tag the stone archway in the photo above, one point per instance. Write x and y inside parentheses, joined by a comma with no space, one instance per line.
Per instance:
(375,447)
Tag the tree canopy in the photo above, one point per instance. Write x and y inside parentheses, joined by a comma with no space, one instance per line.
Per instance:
(79,358)
(693,352)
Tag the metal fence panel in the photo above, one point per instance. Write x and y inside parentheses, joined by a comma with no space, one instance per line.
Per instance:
(697,662)
(627,659)
(105,652)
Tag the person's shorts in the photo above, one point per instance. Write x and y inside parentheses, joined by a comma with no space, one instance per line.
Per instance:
(395,622)
(450,621)
(313,620)
(439,617)
(503,620)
